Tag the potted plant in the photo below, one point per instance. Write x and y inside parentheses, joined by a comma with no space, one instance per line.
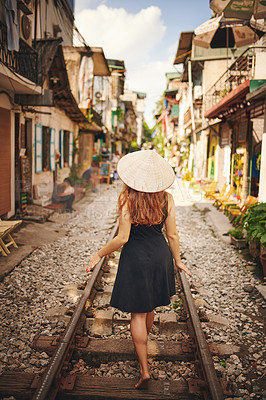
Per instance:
(77,181)
(187,177)
(263,263)
(237,237)
(255,224)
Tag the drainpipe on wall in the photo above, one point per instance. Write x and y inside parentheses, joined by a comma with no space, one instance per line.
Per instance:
(262,187)
(191,107)
(35,22)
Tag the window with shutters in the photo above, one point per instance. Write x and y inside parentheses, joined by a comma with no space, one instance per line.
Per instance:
(65,148)
(46,149)
(38,148)
(52,149)
(71,148)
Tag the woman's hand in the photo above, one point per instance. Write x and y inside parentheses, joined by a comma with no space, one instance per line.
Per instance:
(95,259)
(182,267)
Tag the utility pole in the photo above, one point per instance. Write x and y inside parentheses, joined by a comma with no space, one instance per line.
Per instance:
(190,83)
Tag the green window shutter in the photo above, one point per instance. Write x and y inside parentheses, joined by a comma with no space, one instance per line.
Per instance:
(38,148)
(52,149)
(70,154)
(114,119)
(61,147)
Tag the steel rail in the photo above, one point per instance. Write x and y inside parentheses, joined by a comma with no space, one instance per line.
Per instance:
(44,389)
(214,387)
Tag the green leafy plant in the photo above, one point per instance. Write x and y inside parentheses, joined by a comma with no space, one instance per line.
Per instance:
(74,175)
(237,233)
(223,93)
(254,223)
(97,158)
(176,304)
(119,113)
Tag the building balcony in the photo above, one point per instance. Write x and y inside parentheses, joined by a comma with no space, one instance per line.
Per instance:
(235,82)
(197,111)
(24,62)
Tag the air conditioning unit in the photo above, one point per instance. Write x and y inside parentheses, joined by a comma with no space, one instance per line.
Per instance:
(100,96)
(197,91)
(25,27)
(26,6)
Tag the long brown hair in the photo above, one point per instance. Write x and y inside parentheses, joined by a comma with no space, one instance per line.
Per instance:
(144,208)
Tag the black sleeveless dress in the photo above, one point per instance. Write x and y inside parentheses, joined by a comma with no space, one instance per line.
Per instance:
(145,277)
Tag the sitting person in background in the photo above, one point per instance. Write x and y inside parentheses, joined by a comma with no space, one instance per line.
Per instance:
(115,159)
(64,193)
(91,175)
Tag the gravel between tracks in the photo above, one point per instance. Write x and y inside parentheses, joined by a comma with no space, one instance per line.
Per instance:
(41,281)
(221,284)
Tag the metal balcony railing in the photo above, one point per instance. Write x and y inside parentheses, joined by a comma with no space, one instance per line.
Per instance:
(24,62)
(243,68)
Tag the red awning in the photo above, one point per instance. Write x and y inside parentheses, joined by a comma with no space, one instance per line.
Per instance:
(229,100)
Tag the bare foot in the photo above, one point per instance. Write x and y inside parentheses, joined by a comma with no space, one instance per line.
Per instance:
(143,382)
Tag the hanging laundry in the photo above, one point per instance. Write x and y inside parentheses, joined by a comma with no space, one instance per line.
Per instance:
(11,17)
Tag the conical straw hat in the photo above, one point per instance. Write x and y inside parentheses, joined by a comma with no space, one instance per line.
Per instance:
(145,171)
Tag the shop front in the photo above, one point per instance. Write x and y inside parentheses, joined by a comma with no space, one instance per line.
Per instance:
(5,161)
(240,157)
(213,151)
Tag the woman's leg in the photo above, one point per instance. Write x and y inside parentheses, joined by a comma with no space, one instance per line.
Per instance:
(149,321)
(139,334)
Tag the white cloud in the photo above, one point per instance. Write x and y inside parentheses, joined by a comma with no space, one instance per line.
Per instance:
(130,37)
(122,35)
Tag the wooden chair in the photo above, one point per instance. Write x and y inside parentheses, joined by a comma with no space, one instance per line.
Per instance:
(214,196)
(210,189)
(231,204)
(6,240)
(234,212)
(105,170)
(221,201)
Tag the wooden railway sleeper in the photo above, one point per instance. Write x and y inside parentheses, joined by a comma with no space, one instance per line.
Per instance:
(187,347)
(196,385)
(35,382)
(81,341)
(68,382)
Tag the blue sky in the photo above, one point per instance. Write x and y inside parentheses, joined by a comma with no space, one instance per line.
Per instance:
(143,33)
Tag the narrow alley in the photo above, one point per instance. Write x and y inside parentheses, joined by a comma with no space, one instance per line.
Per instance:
(132,199)
(38,296)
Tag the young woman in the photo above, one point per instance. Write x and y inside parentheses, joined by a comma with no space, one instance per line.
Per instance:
(145,277)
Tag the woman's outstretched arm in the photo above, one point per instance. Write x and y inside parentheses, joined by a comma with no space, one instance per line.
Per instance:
(172,235)
(116,242)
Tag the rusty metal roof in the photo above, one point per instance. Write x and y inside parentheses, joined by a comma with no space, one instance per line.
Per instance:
(52,75)
(184,47)
(46,49)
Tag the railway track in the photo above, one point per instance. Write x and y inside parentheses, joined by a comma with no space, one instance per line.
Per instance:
(62,381)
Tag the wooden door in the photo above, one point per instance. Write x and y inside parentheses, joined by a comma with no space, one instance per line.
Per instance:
(5,161)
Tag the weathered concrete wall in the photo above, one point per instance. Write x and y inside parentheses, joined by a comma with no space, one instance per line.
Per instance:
(55,17)
(72,60)
(224,155)
(201,155)
(57,119)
